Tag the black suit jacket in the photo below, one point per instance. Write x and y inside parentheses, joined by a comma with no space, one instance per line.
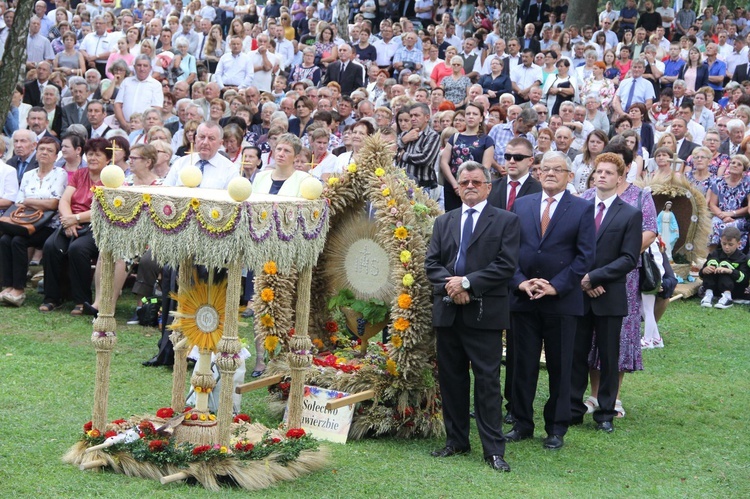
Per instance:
(56,125)
(740,73)
(31,94)
(351,80)
(70,116)
(31,166)
(491,259)
(618,245)
(533,44)
(532,16)
(562,256)
(724,148)
(499,194)
(88,130)
(686,149)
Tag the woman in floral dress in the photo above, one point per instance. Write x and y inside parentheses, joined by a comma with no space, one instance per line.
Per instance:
(630,335)
(725,197)
(471,145)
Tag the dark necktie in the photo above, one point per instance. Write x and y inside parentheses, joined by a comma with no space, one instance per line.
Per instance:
(513,193)
(21,169)
(465,240)
(80,114)
(630,95)
(200,51)
(599,216)
(202,164)
(546,216)
(343,69)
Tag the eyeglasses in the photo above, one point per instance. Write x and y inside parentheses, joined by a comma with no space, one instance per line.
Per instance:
(556,170)
(135,158)
(701,157)
(475,183)
(515,157)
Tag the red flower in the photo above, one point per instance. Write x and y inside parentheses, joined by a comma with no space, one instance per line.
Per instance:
(146,427)
(295,433)
(275,440)
(332,327)
(188,409)
(242,417)
(157,445)
(165,413)
(291,332)
(244,447)
(118,421)
(88,426)
(110,434)
(201,449)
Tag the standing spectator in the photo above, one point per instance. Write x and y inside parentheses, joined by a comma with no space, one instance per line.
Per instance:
(234,68)
(38,46)
(265,64)
(524,76)
(684,20)
(97,46)
(349,74)
(418,148)
(634,89)
(138,93)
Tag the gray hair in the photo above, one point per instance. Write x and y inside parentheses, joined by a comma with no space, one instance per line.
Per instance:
(529,116)
(272,106)
(118,132)
(152,110)
(211,124)
(200,109)
(470,166)
(77,129)
(120,64)
(55,90)
(182,102)
(76,80)
(679,83)
(24,131)
(591,52)
(567,104)
(550,155)
(457,58)
(734,124)
(278,115)
(181,42)
(141,57)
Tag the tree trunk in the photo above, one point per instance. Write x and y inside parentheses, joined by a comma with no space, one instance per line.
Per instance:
(14,57)
(582,12)
(508,19)
(342,23)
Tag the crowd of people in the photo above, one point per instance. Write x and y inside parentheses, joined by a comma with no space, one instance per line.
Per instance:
(273,91)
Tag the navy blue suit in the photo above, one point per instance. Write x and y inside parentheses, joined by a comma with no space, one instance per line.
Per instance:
(562,256)
(618,245)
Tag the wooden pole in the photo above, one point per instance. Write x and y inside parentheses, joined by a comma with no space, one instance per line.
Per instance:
(104,339)
(254,385)
(351,399)
(180,475)
(179,371)
(96,463)
(300,345)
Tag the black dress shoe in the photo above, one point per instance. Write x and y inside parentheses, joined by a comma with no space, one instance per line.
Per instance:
(152,362)
(605,426)
(516,435)
(497,463)
(553,442)
(448,451)
(90,310)
(509,419)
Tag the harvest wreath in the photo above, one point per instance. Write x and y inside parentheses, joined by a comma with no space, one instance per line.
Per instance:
(401,371)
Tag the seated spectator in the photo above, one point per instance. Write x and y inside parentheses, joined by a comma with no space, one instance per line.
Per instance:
(725,271)
(72,246)
(725,201)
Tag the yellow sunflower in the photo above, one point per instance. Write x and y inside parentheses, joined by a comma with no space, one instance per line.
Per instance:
(267,294)
(396,341)
(270,267)
(401,232)
(267,321)
(270,343)
(390,366)
(200,313)
(401,324)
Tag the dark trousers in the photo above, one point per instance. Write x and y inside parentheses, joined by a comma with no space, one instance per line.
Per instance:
(14,257)
(608,343)
(509,368)
(458,346)
(718,283)
(81,252)
(102,68)
(148,273)
(557,332)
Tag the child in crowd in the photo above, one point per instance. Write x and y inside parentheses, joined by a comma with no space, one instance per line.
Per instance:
(136,126)
(725,271)
(279,88)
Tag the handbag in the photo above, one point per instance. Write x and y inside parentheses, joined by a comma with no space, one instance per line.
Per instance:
(650,274)
(24,221)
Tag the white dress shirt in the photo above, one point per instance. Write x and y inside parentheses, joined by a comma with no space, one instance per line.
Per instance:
(552,208)
(509,188)
(525,77)
(607,203)
(234,70)
(138,95)
(216,174)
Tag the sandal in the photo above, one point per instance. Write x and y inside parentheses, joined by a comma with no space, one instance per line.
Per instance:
(257,374)
(49,307)
(618,408)
(591,404)
(77,311)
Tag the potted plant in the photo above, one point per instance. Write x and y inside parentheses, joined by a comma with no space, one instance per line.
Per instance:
(364,318)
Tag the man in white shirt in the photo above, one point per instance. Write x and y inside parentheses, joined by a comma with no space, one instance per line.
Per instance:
(265,64)
(96,46)
(738,56)
(608,14)
(203,39)
(609,35)
(284,48)
(386,47)
(499,53)
(450,35)
(667,15)
(217,170)
(187,31)
(234,69)
(632,90)
(525,76)
(138,93)
(725,49)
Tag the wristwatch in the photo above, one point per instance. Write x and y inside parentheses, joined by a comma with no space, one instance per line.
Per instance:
(465,283)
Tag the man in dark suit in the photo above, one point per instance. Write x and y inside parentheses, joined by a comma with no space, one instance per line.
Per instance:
(557,250)
(736,130)
(95,113)
(38,122)
(470,261)
(24,150)
(530,40)
(537,14)
(75,112)
(740,73)
(605,299)
(348,73)
(684,146)
(519,156)
(32,91)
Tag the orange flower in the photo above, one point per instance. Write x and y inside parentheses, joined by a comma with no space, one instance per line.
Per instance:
(396,341)
(267,295)
(401,324)
(401,232)
(404,300)
(270,267)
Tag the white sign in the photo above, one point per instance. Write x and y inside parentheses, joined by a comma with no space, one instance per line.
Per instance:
(321,423)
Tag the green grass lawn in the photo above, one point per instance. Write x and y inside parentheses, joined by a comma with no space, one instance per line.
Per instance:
(685,434)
